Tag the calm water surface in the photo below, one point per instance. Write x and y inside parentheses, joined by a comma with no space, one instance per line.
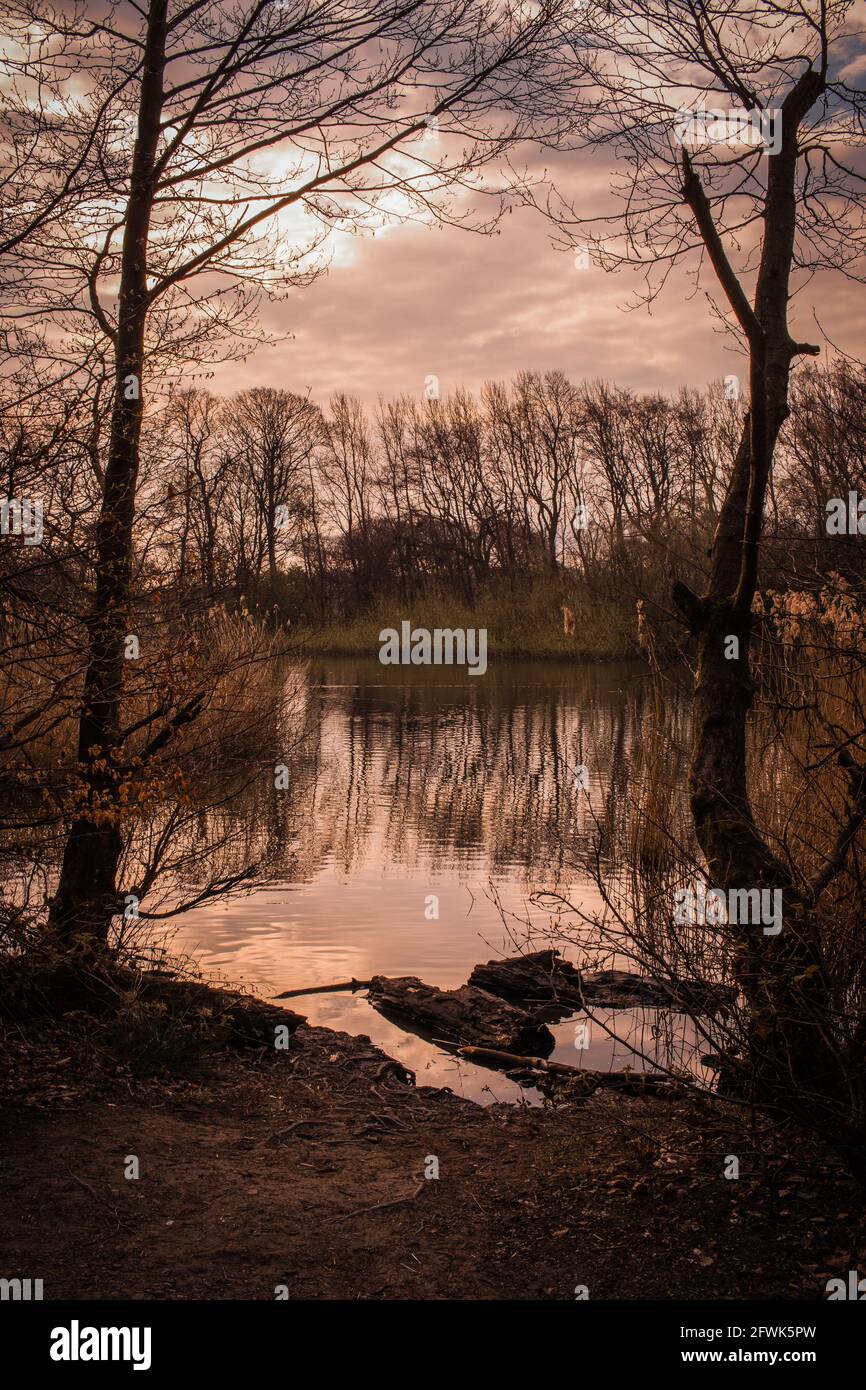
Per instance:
(417,791)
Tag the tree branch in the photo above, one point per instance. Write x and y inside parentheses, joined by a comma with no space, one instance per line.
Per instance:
(696,198)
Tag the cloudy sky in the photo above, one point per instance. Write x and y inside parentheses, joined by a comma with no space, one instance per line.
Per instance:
(417,301)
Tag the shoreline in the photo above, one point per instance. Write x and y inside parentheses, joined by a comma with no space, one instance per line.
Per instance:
(365,650)
(599,658)
(316,1172)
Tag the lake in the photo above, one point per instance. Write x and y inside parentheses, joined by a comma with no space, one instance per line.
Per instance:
(426,811)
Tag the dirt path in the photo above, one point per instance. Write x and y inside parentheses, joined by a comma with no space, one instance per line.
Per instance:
(308,1172)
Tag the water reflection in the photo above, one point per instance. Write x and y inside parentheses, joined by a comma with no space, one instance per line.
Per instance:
(424,809)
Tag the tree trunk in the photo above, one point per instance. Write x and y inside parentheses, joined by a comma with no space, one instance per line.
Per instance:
(87,895)
(796,1064)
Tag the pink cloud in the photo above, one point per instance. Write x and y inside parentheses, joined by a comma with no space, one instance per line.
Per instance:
(415,301)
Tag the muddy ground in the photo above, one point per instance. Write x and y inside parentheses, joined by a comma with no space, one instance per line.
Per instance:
(305,1173)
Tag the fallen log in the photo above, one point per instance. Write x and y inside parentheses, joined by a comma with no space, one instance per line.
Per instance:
(544,977)
(540,977)
(459,1015)
(628,1082)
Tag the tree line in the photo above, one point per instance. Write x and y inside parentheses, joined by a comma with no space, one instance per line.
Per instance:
(592,483)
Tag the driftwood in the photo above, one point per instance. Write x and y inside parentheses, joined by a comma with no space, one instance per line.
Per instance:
(628,1082)
(344,985)
(543,977)
(459,1015)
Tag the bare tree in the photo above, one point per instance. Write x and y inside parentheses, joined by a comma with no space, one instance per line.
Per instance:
(762,211)
(251,128)
(273,435)
(346,474)
(538,427)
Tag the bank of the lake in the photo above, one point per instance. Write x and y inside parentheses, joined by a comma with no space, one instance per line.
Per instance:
(518,623)
(319,1173)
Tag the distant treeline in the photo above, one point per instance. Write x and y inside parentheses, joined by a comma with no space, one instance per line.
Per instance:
(327,513)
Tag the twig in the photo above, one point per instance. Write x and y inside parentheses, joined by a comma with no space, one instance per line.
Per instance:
(281,1133)
(381,1206)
